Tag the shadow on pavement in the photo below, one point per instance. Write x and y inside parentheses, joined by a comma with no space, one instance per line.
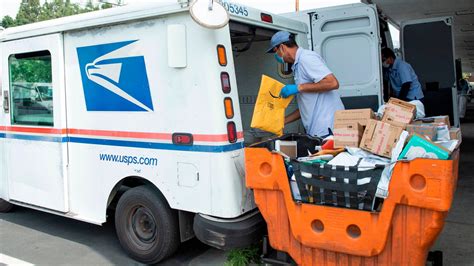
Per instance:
(100,239)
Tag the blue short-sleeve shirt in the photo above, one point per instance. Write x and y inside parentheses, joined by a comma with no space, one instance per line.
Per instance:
(402,72)
(317,109)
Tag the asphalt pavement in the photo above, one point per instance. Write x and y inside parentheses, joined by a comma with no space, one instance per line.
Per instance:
(33,237)
(457,238)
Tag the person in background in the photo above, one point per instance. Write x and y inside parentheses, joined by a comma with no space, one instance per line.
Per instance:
(403,80)
(315,87)
(464,86)
(464,94)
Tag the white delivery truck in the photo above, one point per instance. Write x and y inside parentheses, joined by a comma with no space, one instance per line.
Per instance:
(145,112)
(139,110)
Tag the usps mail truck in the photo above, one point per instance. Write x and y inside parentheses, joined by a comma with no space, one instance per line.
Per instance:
(140,112)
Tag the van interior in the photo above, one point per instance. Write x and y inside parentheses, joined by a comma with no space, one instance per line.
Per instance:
(437,79)
(249,45)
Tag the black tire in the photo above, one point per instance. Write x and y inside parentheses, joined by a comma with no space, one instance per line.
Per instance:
(146,226)
(5,206)
(436,258)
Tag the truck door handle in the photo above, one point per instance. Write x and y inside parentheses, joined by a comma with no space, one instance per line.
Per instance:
(6,102)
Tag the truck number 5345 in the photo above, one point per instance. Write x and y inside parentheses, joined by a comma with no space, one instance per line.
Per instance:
(235,9)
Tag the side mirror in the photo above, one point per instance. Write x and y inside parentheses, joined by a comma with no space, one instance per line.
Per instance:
(209,14)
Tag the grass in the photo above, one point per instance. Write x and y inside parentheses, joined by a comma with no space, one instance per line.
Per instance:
(244,256)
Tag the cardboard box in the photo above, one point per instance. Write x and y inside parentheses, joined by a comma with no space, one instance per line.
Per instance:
(455,133)
(399,113)
(348,135)
(420,147)
(380,138)
(361,116)
(288,147)
(427,130)
(434,119)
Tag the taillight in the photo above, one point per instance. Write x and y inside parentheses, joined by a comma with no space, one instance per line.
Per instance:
(182,139)
(221,55)
(229,109)
(231,132)
(266,18)
(225,82)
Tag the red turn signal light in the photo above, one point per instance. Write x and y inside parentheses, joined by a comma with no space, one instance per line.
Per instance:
(231,132)
(266,18)
(225,82)
(182,139)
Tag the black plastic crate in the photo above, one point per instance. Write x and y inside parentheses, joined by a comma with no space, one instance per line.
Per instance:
(337,185)
(327,185)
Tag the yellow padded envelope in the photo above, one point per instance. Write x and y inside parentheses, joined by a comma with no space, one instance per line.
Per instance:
(269,112)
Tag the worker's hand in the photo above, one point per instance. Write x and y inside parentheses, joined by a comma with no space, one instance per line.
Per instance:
(288,90)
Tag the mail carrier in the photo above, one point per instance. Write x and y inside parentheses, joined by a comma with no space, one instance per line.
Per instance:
(138,112)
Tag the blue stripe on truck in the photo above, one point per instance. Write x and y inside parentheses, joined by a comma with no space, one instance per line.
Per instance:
(159,146)
(128,143)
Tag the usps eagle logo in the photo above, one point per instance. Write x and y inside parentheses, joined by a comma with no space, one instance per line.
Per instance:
(114,78)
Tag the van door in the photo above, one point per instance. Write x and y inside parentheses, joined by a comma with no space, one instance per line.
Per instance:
(347,37)
(3,179)
(428,45)
(35,140)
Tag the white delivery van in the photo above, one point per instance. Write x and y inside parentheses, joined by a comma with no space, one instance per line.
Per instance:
(142,111)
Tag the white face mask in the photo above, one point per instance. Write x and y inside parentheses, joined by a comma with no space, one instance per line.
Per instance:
(385,64)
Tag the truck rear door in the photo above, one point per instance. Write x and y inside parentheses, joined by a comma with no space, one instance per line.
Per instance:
(347,37)
(428,45)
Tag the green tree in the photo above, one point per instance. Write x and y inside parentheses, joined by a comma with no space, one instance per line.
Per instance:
(106,5)
(29,12)
(90,7)
(34,69)
(58,9)
(38,69)
(8,21)
(111,3)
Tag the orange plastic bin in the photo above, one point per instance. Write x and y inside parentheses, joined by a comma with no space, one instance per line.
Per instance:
(420,195)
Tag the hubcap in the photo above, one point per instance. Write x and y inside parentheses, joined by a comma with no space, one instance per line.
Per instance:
(143,225)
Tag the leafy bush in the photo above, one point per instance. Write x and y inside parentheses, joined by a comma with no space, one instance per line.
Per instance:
(244,256)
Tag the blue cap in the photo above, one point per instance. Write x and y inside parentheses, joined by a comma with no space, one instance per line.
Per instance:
(277,39)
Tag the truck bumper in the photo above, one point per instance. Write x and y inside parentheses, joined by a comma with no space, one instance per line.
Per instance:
(232,233)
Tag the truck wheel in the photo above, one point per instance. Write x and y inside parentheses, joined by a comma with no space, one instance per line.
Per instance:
(146,226)
(5,206)
(435,257)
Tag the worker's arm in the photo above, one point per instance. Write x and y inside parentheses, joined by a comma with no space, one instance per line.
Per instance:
(328,83)
(404,91)
(293,116)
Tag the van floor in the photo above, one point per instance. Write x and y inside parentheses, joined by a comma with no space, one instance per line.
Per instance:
(456,240)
